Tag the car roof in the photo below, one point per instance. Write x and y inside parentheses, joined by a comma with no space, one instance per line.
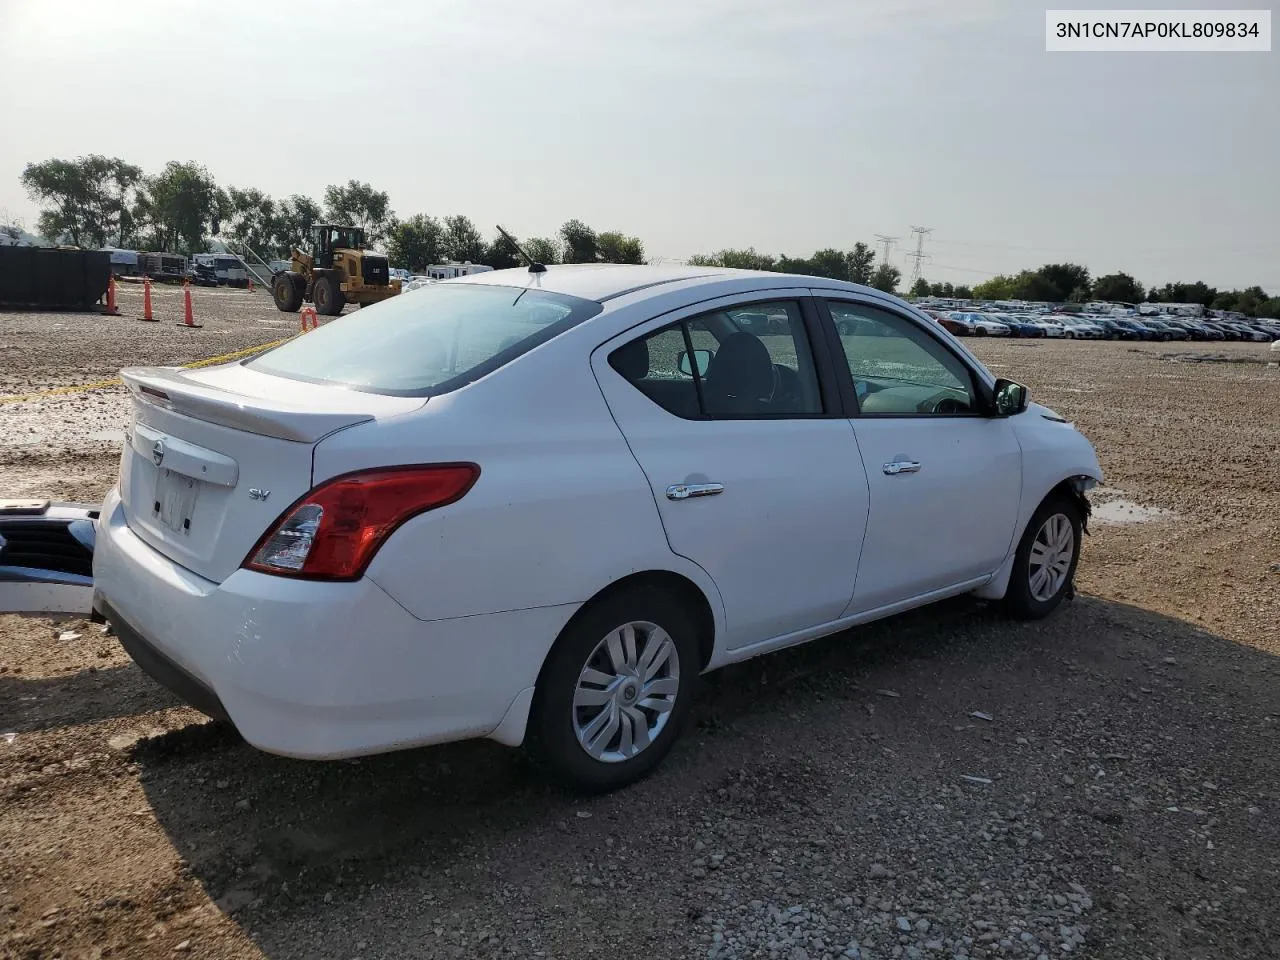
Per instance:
(602,282)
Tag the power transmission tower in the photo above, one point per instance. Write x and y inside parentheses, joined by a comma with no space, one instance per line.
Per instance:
(888,243)
(919,256)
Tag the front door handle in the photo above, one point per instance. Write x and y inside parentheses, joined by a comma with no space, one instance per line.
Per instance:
(902,466)
(683,491)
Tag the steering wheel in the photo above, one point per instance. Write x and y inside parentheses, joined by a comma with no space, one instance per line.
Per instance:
(950,405)
(786,386)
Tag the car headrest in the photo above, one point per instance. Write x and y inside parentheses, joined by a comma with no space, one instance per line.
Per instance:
(632,360)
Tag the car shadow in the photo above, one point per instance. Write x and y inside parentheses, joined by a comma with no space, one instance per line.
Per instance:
(85,696)
(276,842)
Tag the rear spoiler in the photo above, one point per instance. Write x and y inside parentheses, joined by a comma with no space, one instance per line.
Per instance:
(46,556)
(172,388)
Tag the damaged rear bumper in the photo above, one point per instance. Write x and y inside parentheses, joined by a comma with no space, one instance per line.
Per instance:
(46,556)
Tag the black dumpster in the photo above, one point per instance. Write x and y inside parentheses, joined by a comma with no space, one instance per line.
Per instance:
(46,278)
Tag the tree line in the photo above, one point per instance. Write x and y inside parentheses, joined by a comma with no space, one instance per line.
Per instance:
(98,201)
(1072,283)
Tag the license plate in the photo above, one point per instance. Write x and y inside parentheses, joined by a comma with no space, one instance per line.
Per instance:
(176,500)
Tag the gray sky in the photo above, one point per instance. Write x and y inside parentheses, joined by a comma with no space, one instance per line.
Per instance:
(787,126)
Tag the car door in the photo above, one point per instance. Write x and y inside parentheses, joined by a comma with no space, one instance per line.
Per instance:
(753,464)
(945,478)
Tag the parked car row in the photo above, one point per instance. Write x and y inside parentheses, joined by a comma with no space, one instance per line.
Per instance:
(1081,326)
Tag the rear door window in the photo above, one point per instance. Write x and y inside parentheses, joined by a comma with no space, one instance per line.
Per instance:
(442,337)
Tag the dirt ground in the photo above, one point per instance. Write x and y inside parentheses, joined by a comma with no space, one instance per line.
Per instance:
(1119,796)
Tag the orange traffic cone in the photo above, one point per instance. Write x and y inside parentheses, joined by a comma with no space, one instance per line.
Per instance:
(146,300)
(190,321)
(111,310)
(307,319)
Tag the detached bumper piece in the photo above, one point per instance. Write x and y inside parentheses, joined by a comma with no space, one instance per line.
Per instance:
(46,556)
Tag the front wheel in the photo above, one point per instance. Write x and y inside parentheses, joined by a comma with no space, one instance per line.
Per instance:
(1045,564)
(286,293)
(615,689)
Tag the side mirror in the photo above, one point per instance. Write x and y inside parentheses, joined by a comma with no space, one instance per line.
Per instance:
(701,357)
(1010,398)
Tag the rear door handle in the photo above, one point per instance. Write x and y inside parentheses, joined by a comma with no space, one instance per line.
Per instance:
(902,466)
(684,491)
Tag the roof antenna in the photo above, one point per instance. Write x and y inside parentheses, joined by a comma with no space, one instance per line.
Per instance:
(534,265)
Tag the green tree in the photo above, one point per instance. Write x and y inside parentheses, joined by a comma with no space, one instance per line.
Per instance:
(1118,287)
(357,204)
(1250,299)
(501,255)
(1269,309)
(544,250)
(295,216)
(580,243)
(85,200)
(942,290)
(859,263)
(747,259)
(886,277)
(999,287)
(1036,285)
(798,265)
(1062,281)
(178,207)
(462,241)
(613,246)
(829,263)
(416,243)
(252,219)
(962,293)
(920,288)
(1198,292)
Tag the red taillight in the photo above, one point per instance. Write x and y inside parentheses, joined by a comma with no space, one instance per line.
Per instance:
(333,532)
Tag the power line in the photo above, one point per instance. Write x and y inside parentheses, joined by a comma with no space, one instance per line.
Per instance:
(919,256)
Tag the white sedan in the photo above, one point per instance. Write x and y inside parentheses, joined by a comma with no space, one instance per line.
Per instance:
(981,325)
(1052,328)
(534,506)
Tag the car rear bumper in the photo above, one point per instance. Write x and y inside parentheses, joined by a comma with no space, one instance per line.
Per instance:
(316,670)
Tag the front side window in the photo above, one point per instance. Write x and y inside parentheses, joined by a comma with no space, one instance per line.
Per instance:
(752,361)
(897,368)
(439,339)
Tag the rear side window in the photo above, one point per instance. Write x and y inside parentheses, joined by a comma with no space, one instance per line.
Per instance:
(750,362)
(427,341)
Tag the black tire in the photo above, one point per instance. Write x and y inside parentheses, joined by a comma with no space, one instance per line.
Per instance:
(327,297)
(285,292)
(552,740)
(980,332)
(1019,599)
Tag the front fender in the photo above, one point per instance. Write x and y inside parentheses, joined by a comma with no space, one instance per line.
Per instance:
(1054,454)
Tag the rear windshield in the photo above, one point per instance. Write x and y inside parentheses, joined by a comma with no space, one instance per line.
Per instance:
(427,341)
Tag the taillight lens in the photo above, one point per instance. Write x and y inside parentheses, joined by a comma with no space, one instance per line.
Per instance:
(333,532)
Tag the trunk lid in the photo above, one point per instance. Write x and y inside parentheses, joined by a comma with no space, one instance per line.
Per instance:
(215,455)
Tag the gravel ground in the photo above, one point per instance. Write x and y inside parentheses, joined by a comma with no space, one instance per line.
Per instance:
(1105,783)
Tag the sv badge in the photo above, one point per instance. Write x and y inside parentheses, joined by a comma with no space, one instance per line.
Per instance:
(257,493)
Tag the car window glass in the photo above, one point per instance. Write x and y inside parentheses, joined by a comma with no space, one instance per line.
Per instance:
(437,340)
(752,361)
(898,368)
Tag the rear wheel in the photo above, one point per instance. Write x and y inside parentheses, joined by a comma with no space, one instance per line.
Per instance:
(615,689)
(327,297)
(981,331)
(286,293)
(1045,564)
